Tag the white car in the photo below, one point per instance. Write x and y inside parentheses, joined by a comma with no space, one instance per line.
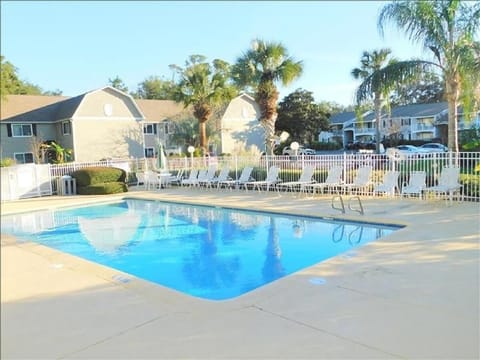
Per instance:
(301,151)
(434,147)
(411,151)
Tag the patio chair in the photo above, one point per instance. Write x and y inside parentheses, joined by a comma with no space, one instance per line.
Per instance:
(177,179)
(271,180)
(389,185)
(448,182)
(192,178)
(334,178)
(151,180)
(245,177)
(416,184)
(305,178)
(361,180)
(222,176)
(209,176)
(140,178)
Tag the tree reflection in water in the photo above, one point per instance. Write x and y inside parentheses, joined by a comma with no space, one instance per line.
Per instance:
(205,268)
(272,267)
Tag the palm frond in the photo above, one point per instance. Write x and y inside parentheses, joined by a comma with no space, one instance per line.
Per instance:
(386,79)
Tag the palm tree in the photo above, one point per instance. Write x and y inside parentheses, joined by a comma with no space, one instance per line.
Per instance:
(372,62)
(258,70)
(203,86)
(447,28)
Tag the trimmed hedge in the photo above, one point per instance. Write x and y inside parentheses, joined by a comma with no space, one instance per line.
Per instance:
(99,175)
(100,180)
(103,189)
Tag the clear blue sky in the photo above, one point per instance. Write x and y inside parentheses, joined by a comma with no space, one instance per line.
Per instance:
(77,46)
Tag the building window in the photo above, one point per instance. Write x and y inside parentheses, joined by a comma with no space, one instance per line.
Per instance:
(168,127)
(22,130)
(23,158)
(149,152)
(150,129)
(66,128)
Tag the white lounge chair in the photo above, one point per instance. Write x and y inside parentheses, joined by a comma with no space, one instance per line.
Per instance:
(244,178)
(416,184)
(448,182)
(177,179)
(222,176)
(306,177)
(389,185)
(209,176)
(361,180)
(271,180)
(192,178)
(334,178)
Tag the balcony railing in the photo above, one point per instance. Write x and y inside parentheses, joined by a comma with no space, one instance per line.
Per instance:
(423,127)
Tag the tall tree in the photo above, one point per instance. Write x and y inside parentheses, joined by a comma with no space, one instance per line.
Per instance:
(258,70)
(428,88)
(11,84)
(371,63)
(448,29)
(186,132)
(203,86)
(156,88)
(301,117)
(118,83)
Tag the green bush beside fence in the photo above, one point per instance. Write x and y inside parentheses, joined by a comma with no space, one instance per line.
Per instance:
(100,180)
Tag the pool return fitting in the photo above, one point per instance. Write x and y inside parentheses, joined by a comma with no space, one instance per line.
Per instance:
(342,207)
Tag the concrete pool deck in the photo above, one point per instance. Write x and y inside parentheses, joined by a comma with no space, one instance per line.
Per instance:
(412,294)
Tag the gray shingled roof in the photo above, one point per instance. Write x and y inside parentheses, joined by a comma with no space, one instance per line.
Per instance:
(419,110)
(414,110)
(342,117)
(62,109)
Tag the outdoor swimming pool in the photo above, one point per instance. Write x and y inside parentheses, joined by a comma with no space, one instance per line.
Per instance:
(208,252)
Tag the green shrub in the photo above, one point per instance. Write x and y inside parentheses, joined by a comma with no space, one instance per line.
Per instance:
(7,162)
(99,175)
(332,145)
(103,189)
(471,184)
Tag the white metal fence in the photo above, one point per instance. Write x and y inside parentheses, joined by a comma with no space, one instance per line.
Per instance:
(290,168)
(25,181)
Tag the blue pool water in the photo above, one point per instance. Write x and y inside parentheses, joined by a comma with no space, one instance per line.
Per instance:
(207,252)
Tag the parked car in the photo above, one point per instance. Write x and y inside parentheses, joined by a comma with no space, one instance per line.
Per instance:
(411,151)
(360,145)
(434,147)
(301,151)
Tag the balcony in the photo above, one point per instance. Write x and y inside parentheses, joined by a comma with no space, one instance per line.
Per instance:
(422,128)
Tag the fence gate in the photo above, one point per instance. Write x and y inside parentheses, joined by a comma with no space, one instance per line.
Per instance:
(25,181)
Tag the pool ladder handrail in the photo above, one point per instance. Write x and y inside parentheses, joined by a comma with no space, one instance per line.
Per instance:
(342,208)
(360,210)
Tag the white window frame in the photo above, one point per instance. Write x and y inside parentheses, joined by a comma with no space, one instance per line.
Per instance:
(146,127)
(23,159)
(22,127)
(69,132)
(149,151)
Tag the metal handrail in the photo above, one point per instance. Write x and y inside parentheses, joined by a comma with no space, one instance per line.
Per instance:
(342,209)
(360,211)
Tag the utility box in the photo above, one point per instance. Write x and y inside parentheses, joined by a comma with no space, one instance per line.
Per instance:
(67,186)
